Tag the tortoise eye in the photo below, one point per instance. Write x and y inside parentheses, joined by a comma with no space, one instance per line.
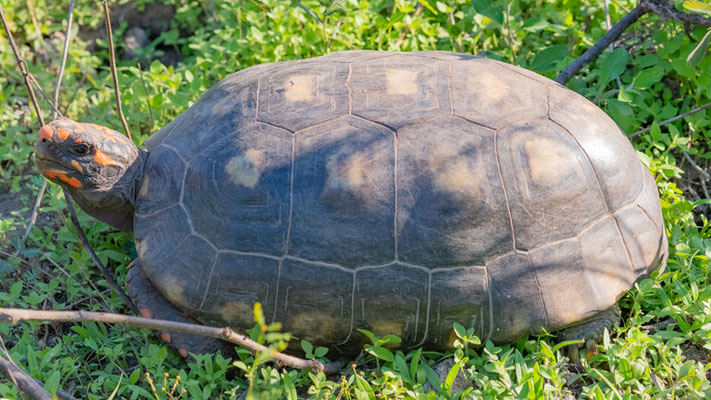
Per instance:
(81,149)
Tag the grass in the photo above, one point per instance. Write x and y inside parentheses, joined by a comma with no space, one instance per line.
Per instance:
(644,81)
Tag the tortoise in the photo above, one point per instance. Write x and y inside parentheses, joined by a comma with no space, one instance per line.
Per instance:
(393,192)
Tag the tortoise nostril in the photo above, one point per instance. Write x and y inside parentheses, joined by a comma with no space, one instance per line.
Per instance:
(44,140)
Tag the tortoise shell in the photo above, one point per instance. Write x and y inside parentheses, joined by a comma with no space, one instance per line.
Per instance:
(396,192)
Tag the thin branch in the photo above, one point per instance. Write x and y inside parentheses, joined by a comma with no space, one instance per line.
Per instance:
(104,271)
(35,210)
(14,315)
(23,381)
(696,166)
(22,67)
(597,49)
(114,73)
(63,62)
(65,52)
(44,95)
(666,9)
(678,117)
(19,377)
(663,8)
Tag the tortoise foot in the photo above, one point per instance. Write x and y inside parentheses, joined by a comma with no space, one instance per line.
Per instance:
(591,331)
(153,305)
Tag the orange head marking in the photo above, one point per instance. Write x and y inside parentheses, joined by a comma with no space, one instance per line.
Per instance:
(101,158)
(45,133)
(63,134)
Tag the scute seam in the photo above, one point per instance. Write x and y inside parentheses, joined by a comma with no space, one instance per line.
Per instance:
(602,193)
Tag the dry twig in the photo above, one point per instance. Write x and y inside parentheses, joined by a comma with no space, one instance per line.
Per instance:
(14,315)
(672,119)
(104,271)
(663,8)
(114,73)
(23,381)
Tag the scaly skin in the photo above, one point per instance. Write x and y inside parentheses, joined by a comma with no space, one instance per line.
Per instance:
(590,330)
(153,305)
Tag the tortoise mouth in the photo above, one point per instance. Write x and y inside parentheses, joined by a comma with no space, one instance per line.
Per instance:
(45,164)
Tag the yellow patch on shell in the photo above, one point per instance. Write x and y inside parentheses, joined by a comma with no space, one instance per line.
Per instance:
(246,168)
(174,289)
(492,87)
(549,162)
(456,175)
(300,88)
(143,191)
(238,313)
(349,174)
(401,82)
(385,327)
(304,322)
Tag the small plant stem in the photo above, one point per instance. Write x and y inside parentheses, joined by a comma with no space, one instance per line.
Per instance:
(509,35)
(678,117)
(14,315)
(145,92)
(104,271)
(114,73)
(40,194)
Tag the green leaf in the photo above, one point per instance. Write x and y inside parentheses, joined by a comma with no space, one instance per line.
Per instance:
(433,378)
(320,351)
(415,362)
(547,58)
(698,6)
(118,385)
(459,330)
(699,51)
(381,353)
(451,375)
(308,347)
(393,339)
(401,367)
(614,65)
(489,9)
(547,352)
(648,77)
(369,334)
(427,6)
(5,266)
(535,25)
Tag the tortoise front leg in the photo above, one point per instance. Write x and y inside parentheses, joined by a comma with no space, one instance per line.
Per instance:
(591,330)
(152,304)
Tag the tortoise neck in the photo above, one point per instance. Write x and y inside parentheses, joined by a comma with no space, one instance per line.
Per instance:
(116,205)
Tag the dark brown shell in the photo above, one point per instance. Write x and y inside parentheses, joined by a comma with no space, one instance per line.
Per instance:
(396,192)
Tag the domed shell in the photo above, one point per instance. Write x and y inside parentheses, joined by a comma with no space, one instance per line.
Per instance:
(396,192)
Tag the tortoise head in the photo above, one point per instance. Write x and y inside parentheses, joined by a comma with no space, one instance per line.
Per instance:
(98,166)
